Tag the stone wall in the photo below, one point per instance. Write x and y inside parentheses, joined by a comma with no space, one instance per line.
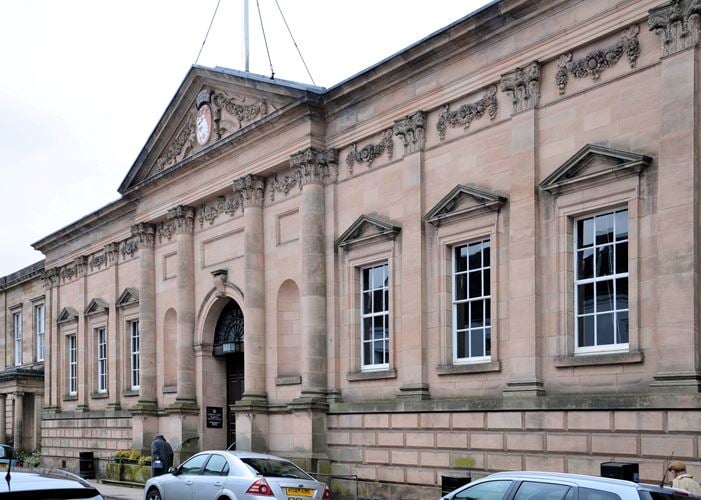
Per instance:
(386,450)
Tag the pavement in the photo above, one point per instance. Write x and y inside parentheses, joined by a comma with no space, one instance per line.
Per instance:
(118,492)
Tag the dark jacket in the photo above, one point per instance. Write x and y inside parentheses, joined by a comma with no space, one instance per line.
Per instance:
(160,449)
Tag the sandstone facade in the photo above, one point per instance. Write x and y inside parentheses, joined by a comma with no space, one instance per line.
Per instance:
(477,255)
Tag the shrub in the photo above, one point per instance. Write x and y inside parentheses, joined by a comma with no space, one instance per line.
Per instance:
(127,456)
(32,459)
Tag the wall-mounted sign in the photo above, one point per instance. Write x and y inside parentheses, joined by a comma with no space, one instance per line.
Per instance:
(215,417)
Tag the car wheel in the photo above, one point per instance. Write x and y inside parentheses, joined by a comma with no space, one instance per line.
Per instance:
(153,494)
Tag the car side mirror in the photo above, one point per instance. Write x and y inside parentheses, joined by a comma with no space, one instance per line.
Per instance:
(173,470)
(5,452)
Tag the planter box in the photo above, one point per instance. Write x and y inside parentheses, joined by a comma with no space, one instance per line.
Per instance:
(130,473)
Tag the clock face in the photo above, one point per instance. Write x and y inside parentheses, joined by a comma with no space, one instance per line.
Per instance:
(204,124)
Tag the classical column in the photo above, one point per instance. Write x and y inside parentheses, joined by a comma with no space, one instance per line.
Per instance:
(52,366)
(410,344)
(3,418)
(677,199)
(314,168)
(252,190)
(147,315)
(524,371)
(183,218)
(17,420)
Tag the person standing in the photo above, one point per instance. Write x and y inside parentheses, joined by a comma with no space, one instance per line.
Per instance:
(161,456)
(682,479)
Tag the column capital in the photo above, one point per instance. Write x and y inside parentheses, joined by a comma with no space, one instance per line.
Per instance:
(677,24)
(145,233)
(523,84)
(182,218)
(51,277)
(315,166)
(252,190)
(412,131)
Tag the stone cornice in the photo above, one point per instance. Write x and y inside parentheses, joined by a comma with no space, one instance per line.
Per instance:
(251,189)
(523,86)
(314,166)
(23,275)
(677,24)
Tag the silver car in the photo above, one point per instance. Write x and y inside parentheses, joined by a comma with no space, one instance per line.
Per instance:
(240,475)
(556,486)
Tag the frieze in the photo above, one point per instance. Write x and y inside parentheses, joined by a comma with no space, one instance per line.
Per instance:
(74,270)
(230,113)
(51,277)
(411,129)
(104,258)
(467,113)
(129,248)
(523,85)
(252,190)
(677,24)
(283,183)
(599,60)
(369,153)
(314,166)
(222,205)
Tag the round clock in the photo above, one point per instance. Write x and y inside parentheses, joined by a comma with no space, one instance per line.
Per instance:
(204,124)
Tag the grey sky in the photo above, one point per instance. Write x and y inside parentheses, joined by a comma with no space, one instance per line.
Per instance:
(84,83)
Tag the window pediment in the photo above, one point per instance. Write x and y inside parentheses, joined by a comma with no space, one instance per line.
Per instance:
(463,201)
(368,228)
(97,306)
(592,165)
(129,296)
(67,315)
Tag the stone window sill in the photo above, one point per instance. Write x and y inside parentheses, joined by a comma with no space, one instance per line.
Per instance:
(291,380)
(129,394)
(491,366)
(99,395)
(378,375)
(70,397)
(611,358)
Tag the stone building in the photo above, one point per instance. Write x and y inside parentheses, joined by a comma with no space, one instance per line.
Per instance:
(476,255)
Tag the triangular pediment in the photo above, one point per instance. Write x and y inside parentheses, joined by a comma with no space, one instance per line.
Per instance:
(67,315)
(97,306)
(128,297)
(367,228)
(463,201)
(211,106)
(593,164)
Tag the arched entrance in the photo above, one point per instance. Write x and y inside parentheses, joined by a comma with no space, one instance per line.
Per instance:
(228,344)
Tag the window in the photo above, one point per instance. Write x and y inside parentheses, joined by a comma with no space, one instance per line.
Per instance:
(544,491)
(471,303)
(216,466)
(72,365)
(601,282)
(39,321)
(17,329)
(490,490)
(592,494)
(134,350)
(194,465)
(374,317)
(101,360)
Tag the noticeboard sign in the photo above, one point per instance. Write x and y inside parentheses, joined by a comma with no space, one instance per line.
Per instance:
(215,417)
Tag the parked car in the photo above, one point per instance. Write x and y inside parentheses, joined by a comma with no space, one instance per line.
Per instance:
(556,486)
(240,475)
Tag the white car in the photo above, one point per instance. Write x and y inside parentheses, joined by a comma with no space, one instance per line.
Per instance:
(240,475)
(556,486)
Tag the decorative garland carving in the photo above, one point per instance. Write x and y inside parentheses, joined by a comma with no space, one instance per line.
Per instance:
(182,145)
(677,24)
(75,270)
(523,85)
(467,113)
(210,212)
(599,60)
(283,184)
(165,230)
(251,189)
(230,113)
(314,166)
(370,152)
(129,248)
(104,258)
(411,129)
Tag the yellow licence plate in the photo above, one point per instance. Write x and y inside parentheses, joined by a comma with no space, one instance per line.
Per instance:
(300,492)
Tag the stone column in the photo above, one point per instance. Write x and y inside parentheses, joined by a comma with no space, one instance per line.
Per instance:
(17,420)
(147,315)
(3,418)
(38,404)
(52,365)
(677,338)
(314,168)
(525,379)
(84,340)
(252,191)
(183,218)
(410,344)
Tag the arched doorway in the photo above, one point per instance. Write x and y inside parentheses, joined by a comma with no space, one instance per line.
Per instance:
(228,344)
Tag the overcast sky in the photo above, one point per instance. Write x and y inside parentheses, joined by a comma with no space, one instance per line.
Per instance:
(84,83)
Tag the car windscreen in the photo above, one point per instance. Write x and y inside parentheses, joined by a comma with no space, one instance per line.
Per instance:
(270,467)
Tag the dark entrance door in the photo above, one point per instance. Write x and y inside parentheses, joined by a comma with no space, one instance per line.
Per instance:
(234,392)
